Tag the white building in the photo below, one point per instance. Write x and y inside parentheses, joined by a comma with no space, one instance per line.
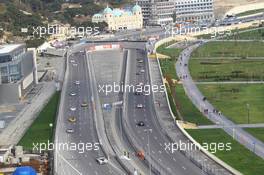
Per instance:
(194,10)
(119,19)
(157,12)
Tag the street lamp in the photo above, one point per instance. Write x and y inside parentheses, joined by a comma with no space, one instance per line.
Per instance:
(51,129)
(149,131)
(248,112)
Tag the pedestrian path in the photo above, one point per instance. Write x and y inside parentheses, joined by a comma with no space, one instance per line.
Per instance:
(257,125)
(198,100)
(230,82)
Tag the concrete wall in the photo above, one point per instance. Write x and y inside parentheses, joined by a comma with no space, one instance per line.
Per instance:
(9,93)
(27,64)
(27,81)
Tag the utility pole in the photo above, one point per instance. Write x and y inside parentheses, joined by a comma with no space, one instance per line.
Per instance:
(248,112)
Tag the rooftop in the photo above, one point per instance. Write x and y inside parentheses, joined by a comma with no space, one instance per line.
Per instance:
(8,48)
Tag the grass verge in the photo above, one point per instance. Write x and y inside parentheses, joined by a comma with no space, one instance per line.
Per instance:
(187,110)
(40,131)
(256,132)
(238,157)
(250,12)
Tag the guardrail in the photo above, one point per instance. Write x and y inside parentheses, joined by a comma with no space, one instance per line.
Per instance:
(210,155)
(115,41)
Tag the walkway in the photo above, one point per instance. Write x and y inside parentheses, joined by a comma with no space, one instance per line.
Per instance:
(230,82)
(257,125)
(197,99)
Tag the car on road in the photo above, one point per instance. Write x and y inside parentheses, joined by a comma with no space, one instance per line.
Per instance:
(137,73)
(75,64)
(72,119)
(72,108)
(139,106)
(72,61)
(72,94)
(70,131)
(77,82)
(140,84)
(140,61)
(141,155)
(84,104)
(138,93)
(142,70)
(101,160)
(140,123)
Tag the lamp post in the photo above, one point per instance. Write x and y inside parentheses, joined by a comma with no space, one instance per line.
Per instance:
(51,129)
(248,108)
(149,131)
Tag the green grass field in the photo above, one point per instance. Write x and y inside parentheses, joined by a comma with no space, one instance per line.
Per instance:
(238,157)
(230,49)
(232,100)
(168,68)
(249,35)
(168,65)
(40,131)
(250,12)
(189,112)
(227,69)
(256,132)
(173,53)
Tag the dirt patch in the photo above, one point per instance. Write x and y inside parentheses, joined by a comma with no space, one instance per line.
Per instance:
(222,6)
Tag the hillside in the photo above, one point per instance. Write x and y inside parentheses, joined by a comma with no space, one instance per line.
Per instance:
(17,14)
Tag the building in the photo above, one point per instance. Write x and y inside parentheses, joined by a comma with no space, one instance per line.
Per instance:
(157,12)
(18,71)
(119,19)
(194,11)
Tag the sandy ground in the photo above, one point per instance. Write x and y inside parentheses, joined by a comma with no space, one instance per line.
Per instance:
(222,6)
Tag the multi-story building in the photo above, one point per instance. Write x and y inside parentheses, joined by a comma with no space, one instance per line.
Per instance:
(194,10)
(17,71)
(119,19)
(157,12)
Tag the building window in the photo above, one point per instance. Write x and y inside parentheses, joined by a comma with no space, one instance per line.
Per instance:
(13,69)
(4,79)
(4,71)
(14,78)
(5,58)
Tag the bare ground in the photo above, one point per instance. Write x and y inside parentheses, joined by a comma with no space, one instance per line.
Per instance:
(222,6)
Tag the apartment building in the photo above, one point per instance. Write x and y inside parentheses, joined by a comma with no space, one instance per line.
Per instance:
(194,10)
(157,12)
